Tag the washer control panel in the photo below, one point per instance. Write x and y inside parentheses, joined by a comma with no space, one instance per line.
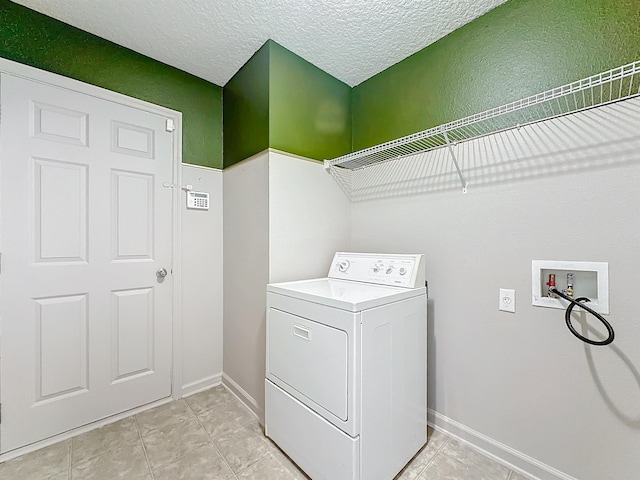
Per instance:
(399,270)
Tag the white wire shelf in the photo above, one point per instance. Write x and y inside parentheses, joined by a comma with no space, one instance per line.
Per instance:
(601,89)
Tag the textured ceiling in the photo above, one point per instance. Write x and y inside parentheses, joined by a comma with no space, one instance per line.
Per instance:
(350,39)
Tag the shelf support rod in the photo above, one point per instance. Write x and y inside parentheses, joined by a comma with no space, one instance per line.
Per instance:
(455,162)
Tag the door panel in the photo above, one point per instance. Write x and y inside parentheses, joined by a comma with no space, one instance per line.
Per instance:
(132,140)
(61,346)
(58,124)
(85,223)
(133,333)
(59,221)
(132,215)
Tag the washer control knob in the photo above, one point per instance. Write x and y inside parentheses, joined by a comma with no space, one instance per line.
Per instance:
(377,267)
(389,270)
(343,266)
(403,270)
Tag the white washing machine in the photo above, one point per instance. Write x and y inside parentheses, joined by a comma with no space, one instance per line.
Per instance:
(346,367)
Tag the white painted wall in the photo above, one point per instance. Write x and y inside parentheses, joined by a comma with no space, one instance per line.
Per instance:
(246,272)
(309,219)
(284,217)
(520,385)
(202,298)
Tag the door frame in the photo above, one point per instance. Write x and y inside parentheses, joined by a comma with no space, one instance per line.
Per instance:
(34,74)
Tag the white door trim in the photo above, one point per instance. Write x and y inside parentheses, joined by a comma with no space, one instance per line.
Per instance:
(34,74)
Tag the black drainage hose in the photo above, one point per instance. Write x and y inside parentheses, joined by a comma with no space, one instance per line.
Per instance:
(580,302)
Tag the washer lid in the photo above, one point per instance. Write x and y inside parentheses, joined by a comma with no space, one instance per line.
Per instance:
(344,294)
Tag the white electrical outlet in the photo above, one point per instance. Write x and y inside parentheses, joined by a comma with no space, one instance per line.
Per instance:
(507,300)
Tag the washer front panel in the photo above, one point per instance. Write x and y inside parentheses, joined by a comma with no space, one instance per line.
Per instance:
(308,314)
(311,358)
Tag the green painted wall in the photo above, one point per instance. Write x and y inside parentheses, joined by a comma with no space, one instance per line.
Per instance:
(518,49)
(246,109)
(310,111)
(279,100)
(40,41)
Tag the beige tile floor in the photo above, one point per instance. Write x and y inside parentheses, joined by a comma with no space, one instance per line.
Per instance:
(208,436)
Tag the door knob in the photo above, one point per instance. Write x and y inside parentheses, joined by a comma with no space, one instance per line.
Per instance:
(161,272)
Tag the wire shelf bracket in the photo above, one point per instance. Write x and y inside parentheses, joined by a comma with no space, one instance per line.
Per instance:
(603,88)
(455,162)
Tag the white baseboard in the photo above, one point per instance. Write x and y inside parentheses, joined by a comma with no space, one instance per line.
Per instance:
(500,452)
(201,385)
(244,397)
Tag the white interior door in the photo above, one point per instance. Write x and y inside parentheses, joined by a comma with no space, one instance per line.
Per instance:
(85,224)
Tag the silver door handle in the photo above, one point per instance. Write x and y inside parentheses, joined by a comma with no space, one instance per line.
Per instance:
(161,272)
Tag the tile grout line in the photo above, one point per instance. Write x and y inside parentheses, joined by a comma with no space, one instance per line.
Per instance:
(438,451)
(243,425)
(211,441)
(289,461)
(70,453)
(142,437)
(263,438)
(510,472)
(144,447)
(240,427)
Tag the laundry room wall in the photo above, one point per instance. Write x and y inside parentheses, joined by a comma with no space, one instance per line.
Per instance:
(520,386)
(309,110)
(309,218)
(246,273)
(201,266)
(521,48)
(279,100)
(284,218)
